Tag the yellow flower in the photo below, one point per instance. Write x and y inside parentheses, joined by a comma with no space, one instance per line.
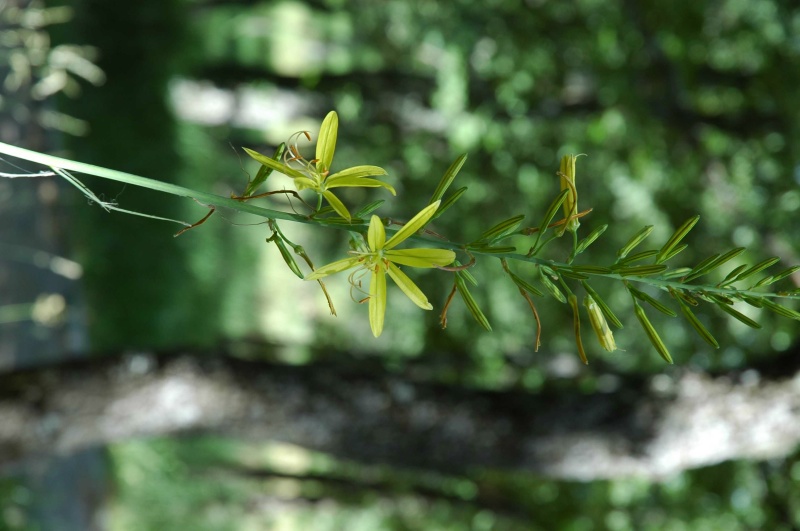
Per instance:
(315,174)
(381,258)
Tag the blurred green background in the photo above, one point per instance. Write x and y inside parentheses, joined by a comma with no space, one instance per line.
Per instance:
(683,108)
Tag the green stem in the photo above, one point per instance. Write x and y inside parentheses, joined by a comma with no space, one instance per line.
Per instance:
(220,201)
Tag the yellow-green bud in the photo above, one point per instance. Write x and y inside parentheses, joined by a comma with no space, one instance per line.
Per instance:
(567,174)
(599,324)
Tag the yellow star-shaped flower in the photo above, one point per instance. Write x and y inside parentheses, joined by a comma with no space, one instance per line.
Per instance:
(381,258)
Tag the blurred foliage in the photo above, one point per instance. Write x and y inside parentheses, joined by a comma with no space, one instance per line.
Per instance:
(682,109)
(211,483)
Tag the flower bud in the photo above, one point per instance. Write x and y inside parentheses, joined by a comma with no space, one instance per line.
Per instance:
(567,174)
(599,324)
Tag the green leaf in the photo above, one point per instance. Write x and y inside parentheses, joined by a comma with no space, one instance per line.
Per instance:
(737,315)
(708,265)
(551,211)
(369,208)
(502,229)
(450,201)
(287,256)
(701,330)
(674,252)
(326,142)
(447,179)
(471,304)
(264,172)
(637,238)
(652,302)
(576,323)
(758,268)
(643,270)
(785,273)
(603,306)
(590,239)
(731,277)
(590,269)
(634,258)
(652,335)
(676,273)
(527,286)
(676,238)
(780,310)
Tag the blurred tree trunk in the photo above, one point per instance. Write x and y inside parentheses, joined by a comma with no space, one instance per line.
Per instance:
(649,428)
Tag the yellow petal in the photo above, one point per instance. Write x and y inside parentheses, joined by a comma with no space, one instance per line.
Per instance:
(326,142)
(409,288)
(333,267)
(274,164)
(356,172)
(416,223)
(376,236)
(377,300)
(362,183)
(337,205)
(421,257)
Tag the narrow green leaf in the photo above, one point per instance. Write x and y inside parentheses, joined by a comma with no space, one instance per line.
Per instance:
(524,284)
(731,277)
(643,270)
(674,252)
(652,302)
(551,212)
(785,273)
(287,256)
(766,281)
(326,142)
(590,239)
(780,310)
(447,178)
(652,335)
(264,172)
(701,330)
(502,229)
(471,304)
(369,208)
(551,287)
(576,323)
(634,241)
(758,268)
(492,250)
(573,274)
(634,258)
(603,306)
(676,238)
(589,269)
(737,315)
(450,201)
(676,273)
(753,301)
(713,264)
(700,268)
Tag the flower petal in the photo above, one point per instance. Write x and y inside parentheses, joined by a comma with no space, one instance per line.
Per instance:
(360,182)
(333,267)
(326,142)
(377,300)
(304,182)
(409,288)
(416,223)
(357,172)
(376,236)
(337,205)
(274,164)
(421,257)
